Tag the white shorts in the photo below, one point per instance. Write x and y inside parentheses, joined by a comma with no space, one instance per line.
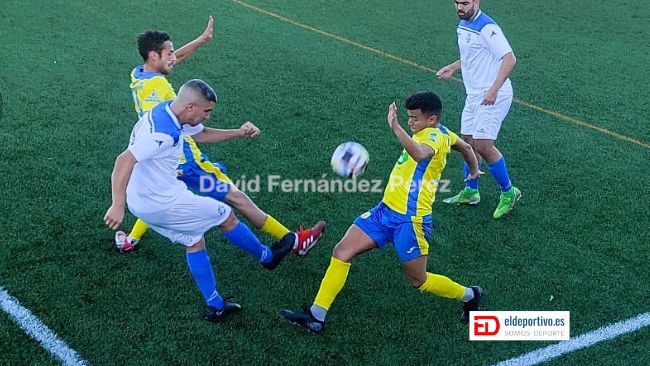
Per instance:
(483,122)
(188,219)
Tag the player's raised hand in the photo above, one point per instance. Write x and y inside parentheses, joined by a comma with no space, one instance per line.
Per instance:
(446,72)
(392,115)
(114,217)
(248,129)
(207,34)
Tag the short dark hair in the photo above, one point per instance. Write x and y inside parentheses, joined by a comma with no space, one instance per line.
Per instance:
(151,40)
(203,88)
(426,101)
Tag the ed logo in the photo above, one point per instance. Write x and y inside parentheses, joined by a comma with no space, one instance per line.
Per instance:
(486,325)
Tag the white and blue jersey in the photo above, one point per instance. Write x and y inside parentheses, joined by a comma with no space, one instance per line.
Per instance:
(154,193)
(482,46)
(156,143)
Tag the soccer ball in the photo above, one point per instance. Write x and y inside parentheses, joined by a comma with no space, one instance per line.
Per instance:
(350,159)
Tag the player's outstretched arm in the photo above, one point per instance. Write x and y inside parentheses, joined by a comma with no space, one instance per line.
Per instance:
(209,135)
(469,156)
(416,150)
(188,49)
(119,179)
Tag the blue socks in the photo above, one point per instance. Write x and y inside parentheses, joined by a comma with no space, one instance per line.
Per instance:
(242,237)
(500,173)
(472,183)
(201,269)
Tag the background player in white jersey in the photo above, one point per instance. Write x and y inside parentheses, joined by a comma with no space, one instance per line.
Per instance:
(486,61)
(145,178)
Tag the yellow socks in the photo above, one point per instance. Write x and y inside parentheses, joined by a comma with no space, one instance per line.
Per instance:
(332,283)
(138,230)
(442,286)
(274,228)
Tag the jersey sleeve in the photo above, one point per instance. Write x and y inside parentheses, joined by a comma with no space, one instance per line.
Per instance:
(495,40)
(193,130)
(452,137)
(433,139)
(147,147)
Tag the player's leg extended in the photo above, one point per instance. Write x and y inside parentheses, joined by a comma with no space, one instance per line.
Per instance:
(260,219)
(354,242)
(442,286)
(411,245)
(307,238)
(239,234)
(418,277)
(199,263)
(208,179)
(201,175)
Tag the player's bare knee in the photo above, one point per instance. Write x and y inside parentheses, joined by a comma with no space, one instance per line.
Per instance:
(416,281)
(230,222)
(415,271)
(197,247)
(343,252)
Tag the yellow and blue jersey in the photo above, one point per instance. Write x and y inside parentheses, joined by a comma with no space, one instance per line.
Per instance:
(404,217)
(149,89)
(152,88)
(411,188)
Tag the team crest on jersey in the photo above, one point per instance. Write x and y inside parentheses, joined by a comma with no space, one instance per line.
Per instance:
(432,136)
(153,97)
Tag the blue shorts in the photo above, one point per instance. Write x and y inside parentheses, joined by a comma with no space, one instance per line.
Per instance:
(409,234)
(205,178)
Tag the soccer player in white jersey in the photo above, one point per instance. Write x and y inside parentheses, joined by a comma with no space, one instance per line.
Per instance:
(486,61)
(150,86)
(144,177)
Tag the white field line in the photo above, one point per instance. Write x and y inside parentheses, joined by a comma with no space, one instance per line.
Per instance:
(582,341)
(39,331)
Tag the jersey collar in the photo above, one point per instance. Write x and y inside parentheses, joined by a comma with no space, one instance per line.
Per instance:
(139,73)
(478,14)
(424,131)
(172,115)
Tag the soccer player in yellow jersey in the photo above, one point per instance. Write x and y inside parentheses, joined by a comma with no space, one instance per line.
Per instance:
(404,216)
(150,87)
